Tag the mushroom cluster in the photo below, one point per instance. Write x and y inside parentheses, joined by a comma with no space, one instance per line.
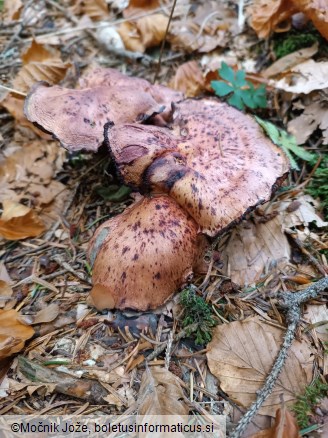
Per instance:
(200,165)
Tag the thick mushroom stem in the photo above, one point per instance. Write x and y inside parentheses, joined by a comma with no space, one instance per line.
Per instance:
(143,256)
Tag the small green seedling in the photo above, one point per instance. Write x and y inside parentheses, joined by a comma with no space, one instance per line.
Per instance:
(241,92)
(318,187)
(306,402)
(197,310)
(286,142)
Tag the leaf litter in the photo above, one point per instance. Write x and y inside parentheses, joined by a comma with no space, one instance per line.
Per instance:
(44,276)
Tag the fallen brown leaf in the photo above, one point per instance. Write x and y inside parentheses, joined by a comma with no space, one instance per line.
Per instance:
(189,79)
(137,7)
(253,248)
(48,314)
(19,222)
(241,355)
(317,318)
(143,33)
(285,426)
(12,10)
(39,64)
(13,333)
(265,16)
(317,11)
(6,292)
(314,116)
(287,62)
(304,78)
(161,394)
(15,106)
(95,9)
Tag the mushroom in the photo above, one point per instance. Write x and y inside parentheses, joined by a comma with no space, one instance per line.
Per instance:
(141,257)
(213,160)
(77,117)
(202,167)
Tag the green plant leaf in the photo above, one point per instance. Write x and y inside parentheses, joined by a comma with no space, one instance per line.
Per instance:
(240,80)
(221,88)
(286,141)
(236,100)
(227,72)
(247,97)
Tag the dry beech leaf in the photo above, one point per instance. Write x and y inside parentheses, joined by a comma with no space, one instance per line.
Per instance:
(252,248)
(138,7)
(39,65)
(317,317)
(12,10)
(15,106)
(4,275)
(265,16)
(189,79)
(304,78)
(317,11)
(287,62)
(241,355)
(48,314)
(143,33)
(19,222)
(95,9)
(303,215)
(314,116)
(285,426)
(5,293)
(161,394)
(13,333)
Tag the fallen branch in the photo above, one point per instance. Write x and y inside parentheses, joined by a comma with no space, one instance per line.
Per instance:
(85,389)
(292,303)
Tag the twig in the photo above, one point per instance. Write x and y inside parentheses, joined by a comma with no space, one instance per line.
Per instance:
(292,303)
(12,90)
(185,332)
(163,42)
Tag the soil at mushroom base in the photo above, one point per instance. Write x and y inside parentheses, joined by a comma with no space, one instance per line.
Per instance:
(211,162)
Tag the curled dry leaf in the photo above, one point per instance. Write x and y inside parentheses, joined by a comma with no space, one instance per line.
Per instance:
(304,78)
(39,65)
(143,33)
(95,9)
(19,222)
(241,355)
(12,10)
(317,11)
(6,293)
(138,7)
(161,394)
(189,79)
(285,426)
(48,314)
(13,333)
(314,116)
(142,256)
(265,16)
(287,62)
(15,106)
(254,249)
(207,29)
(317,318)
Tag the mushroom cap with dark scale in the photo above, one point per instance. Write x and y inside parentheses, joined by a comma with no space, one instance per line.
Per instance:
(214,160)
(141,257)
